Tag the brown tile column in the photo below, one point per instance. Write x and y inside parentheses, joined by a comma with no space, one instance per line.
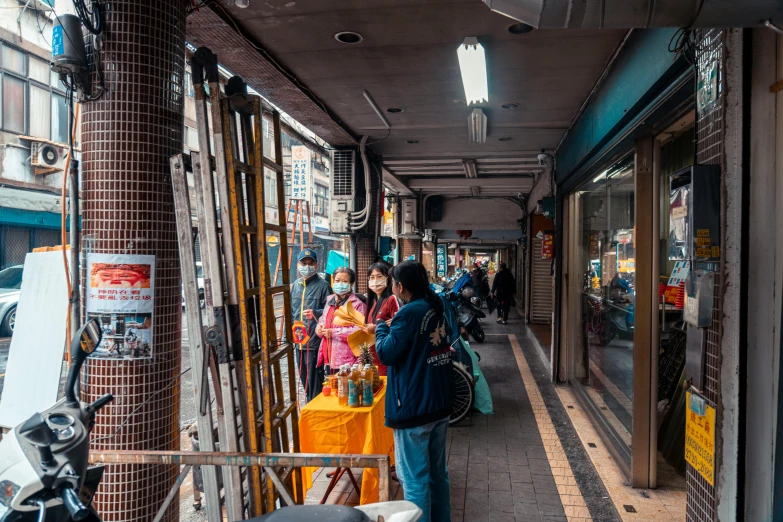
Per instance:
(128,136)
(410,246)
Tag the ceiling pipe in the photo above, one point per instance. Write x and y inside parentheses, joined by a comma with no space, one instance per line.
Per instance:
(639,14)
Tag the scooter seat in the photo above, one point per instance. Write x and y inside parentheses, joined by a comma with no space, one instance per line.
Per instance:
(331,513)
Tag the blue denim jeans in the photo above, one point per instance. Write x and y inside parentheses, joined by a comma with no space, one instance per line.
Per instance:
(420,457)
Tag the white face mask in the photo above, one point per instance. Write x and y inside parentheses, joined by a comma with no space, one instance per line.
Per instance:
(378,284)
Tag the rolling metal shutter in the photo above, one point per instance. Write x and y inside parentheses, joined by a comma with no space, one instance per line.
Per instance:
(541,287)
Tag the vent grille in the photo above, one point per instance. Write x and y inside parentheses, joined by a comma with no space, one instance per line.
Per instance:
(343,163)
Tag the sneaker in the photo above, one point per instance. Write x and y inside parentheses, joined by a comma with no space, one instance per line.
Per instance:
(500,320)
(505,322)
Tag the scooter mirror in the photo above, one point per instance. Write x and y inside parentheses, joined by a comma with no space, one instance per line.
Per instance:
(86,339)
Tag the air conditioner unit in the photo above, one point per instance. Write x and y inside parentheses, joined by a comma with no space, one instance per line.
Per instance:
(47,158)
(342,190)
(409,218)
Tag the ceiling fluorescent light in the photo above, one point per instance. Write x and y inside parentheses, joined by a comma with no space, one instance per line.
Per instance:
(473,66)
(470,168)
(477,126)
(600,177)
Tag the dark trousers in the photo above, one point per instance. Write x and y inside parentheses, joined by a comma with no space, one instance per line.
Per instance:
(504,305)
(312,378)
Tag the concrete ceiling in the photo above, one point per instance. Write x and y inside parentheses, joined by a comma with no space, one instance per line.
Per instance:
(408,59)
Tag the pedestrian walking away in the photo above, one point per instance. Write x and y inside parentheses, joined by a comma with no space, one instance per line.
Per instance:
(504,287)
(308,298)
(420,395)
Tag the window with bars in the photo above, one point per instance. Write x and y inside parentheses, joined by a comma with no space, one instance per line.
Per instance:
(32,97)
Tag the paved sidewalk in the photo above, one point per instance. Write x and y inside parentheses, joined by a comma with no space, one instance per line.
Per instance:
(497,463)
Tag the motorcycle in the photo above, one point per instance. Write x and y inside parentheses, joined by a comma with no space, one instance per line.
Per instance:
(468,314)
(612,317)
(45,476)
(44,472)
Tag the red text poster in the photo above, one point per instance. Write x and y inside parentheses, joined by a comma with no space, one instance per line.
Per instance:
(120,293)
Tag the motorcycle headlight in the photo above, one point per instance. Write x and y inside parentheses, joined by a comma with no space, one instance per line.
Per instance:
(8,491)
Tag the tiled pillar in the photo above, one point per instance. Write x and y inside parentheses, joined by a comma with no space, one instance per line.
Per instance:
(128,136)
(410,247)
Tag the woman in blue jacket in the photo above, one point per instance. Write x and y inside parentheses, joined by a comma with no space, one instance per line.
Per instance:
(420,390)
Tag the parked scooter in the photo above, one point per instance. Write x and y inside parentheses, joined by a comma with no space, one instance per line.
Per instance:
(44,472)
(397,511)
(468,314)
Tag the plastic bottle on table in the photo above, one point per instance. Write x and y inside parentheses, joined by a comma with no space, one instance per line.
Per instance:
(354,388)
(342,387)
(367,379)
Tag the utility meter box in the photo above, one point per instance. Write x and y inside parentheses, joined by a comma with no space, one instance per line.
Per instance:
(694,214)
(409,215)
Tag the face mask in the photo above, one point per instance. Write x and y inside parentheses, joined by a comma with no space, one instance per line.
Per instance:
(378,284)
(341,288)
(306,270)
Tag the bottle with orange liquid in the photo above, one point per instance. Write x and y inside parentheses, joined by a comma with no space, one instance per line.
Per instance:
(342,387)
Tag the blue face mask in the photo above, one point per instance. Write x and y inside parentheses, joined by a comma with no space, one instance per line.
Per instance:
(306,270)
(341,288)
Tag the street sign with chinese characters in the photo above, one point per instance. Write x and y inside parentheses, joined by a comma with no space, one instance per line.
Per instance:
(700,436)
(300,173)
(441,260)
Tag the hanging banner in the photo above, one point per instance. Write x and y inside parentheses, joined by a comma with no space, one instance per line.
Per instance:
(441,260)
(547,246)
(120,293)
(300,173)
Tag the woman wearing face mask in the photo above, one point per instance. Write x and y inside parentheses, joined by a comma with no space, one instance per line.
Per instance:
(420,390)
(335,350)
(382,305)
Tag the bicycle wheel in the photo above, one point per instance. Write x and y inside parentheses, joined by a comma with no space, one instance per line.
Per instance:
(463,394)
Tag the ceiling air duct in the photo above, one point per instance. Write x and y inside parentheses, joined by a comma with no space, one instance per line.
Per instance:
(638,14)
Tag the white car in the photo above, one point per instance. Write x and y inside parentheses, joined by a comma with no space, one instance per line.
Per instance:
(200,282)
(10,284)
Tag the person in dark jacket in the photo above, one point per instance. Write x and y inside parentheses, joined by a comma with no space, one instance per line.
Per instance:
(308,298)
(420,393)
(503,288)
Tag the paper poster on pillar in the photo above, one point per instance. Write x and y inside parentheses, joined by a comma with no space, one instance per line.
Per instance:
(120,293)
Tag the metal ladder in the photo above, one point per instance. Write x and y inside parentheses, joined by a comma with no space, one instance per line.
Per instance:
(263,351)
(253,411)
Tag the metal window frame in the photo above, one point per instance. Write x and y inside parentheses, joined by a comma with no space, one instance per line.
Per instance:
(28,81)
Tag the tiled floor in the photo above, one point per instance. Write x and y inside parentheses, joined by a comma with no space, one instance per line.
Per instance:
(498,463)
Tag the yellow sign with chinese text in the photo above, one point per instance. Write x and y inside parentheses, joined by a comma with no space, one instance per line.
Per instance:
(700,438)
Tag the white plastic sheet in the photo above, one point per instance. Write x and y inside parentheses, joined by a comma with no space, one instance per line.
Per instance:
(35,359)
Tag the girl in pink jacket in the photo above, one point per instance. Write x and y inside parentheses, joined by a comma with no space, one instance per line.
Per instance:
(334,349)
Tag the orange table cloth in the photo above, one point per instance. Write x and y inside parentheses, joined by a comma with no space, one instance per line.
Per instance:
(327,427)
